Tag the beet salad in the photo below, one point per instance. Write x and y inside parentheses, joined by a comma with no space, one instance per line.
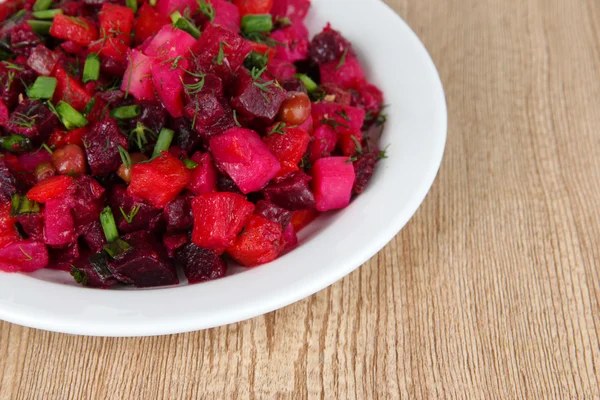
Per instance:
(139,137)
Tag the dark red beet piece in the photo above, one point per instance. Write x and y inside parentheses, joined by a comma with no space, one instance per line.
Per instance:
(94,236)
(145,264)
(327,46)
(32,119)
(103,141)
(7,182)
(178,214)
(153,116)
(32,225)
(173,241)
(205,109)
(364,168)
(119,199)
(93,271)
(292,194)
(186,137)
(23,39)
(63,258)
(274,213)
(226,184)
(261,98)
(86,202)
(200,265)
(223,124)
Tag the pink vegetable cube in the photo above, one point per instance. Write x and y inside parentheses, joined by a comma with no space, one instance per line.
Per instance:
(345,73)
(169,43)
(59,228)
(289,238)
(204,176)
(4,114)
(333,178)
(25,255)
(344,119)
(137,79)
(167,7)
(295,10)
(42,60)
(282,70)
(294,40)
(226,14)
(245,157)
(323,144)
(168,86)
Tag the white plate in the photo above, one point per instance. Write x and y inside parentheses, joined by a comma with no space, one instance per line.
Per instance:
(331,248)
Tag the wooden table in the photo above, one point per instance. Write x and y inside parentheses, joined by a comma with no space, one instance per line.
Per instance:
(491,291)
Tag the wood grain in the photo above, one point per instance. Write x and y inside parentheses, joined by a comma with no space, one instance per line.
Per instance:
(491,291)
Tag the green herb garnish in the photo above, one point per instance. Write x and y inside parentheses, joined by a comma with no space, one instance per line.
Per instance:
(42,88)
(132,213)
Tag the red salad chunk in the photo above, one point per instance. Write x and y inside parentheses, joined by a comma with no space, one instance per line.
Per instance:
(144,141)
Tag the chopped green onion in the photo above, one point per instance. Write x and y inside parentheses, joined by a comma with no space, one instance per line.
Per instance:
(40,27)
(41,5)
(89,106)
(70,117)
(191,164)
(109,226)
(180,22)
(99,263)
(91,69)
(117,248)
(22,205)
(310,85)
(126,112)
(131,4)
(125,157)
(256,60)
(79,275)
(164,141)
(15,143)
(257,23)
(42,88)
(46,14)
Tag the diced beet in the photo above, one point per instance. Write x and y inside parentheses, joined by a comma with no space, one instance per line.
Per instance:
(7,181)
(342,118)
(227,15)
(8,232)
(350,144)
(64,257)
(33,225)
(145,264)
(13,84)
(246,159)
(42,60)
(110,65)
(301,218)
(69,90)
(7,8)
(307,126)
(23,40)
(174,241)
(154,116)
(59,228)
(149,21)
(292,193)
(368,97)
(288,148)
(186,137)
(32,119)
(336,94)
(220,51)
(295,43)
(333,179)
(257,99)
(178,214)
(204,176)
(295,10)
(4,113)
(274,213)
(115,18)
(170,43)
(282,70)
(226,122)
(93,271)
(72,47)
(29,161)
(103,141)
(218,218)
(138,79)
(87,201)
(364,168)
(200,265)
(205,109)
(52,188)
(226,184)
(168,7)
(328,46)
(159,181)
(261,242)
(25,255)
(346,73)
(119,199)
(289,238)
(168,86)
(94,236)
(323,144)
(78,30)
